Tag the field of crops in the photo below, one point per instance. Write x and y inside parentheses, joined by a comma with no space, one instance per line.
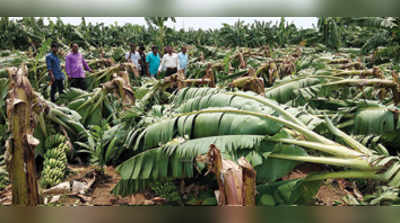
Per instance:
(266,115)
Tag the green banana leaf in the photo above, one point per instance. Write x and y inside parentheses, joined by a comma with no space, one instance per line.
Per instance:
(204,125)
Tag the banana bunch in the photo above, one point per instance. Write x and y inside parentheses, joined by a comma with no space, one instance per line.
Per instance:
(167,190)
(4,181)
(55,163)
(54,140)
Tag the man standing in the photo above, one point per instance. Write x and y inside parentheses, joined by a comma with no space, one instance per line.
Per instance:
(55,73)
(74,65)
(142,61)
(183,59)
(170,61)
(153,62)
(134,57)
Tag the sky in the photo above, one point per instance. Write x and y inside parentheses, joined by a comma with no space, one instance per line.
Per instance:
(194,22)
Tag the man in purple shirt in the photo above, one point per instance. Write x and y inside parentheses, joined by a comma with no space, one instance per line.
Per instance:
(74,65)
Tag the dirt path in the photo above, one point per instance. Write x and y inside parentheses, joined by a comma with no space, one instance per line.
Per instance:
(101,192)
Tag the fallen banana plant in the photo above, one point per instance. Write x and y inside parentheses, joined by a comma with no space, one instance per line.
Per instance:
(249,82)
(101,62)
(276,143)
(120,86)
(60,115)
(376,83)
(98,104)
(375,72)
(277,69)
(106,74)
(207,79)
(352,66)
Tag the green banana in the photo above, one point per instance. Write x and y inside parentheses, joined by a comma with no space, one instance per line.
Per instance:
(55,163)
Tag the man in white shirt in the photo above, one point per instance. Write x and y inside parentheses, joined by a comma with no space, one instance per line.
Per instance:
(170,61)
(134,57)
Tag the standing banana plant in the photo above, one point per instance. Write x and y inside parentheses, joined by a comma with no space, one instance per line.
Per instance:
(39,55)
(331,32)
(160,23)
(20,146)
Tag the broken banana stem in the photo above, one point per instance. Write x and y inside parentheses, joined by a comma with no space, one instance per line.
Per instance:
(236,182)
(22,142)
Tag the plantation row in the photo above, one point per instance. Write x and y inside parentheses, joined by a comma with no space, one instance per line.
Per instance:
(367,33)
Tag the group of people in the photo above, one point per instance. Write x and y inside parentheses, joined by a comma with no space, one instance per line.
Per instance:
(75,65)
(152,64)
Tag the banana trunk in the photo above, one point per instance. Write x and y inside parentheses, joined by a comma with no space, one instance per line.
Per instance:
(21,160)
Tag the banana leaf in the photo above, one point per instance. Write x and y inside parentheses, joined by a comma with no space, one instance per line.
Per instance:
(225,100)
(285,92)
(204,125)
(177,159)
(375,120)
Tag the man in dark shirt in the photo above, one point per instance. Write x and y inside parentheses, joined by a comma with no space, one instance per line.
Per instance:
(55,73)
(142,61)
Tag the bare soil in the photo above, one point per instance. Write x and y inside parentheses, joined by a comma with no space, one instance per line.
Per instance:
(330,193)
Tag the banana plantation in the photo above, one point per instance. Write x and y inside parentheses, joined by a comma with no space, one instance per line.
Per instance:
(265,115)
